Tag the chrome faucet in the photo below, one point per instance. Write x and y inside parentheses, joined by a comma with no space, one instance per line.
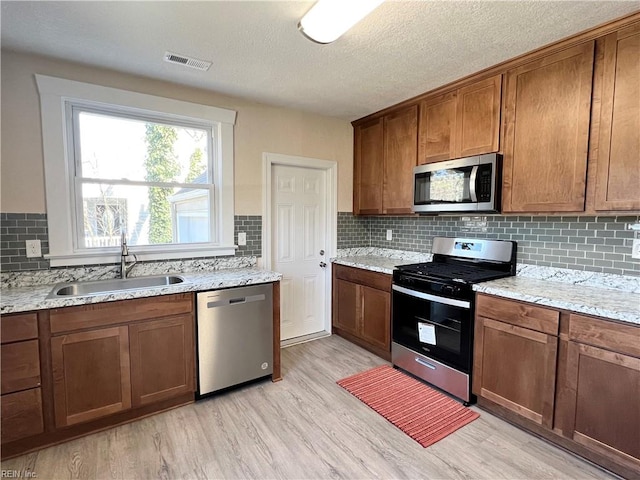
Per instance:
(124,253)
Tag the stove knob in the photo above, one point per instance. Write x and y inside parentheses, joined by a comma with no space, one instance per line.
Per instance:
(451,289)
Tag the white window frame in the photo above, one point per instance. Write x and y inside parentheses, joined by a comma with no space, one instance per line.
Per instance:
(56,97)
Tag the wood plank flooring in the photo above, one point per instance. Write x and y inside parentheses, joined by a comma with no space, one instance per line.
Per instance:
(303,427)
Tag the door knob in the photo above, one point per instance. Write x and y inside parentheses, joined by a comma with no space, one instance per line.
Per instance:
(322,264)
(321,252)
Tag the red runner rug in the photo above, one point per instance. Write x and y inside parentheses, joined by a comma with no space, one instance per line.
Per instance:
(421,412)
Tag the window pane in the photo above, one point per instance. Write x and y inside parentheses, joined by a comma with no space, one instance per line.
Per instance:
(114,148)
(148,215)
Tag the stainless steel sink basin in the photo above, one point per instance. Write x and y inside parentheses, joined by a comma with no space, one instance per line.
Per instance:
(77,289)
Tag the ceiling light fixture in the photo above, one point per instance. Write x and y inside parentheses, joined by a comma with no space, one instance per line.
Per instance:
(329,19)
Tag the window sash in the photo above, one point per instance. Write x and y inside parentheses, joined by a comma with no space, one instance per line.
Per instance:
(74,109)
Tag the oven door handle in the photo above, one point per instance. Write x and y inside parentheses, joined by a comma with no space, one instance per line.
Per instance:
(433,298)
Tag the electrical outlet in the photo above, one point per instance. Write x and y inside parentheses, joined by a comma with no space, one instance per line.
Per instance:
(242,239)
(389,234)
(635,249)
(33,248)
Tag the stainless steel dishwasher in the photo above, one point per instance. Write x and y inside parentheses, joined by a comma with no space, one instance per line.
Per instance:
(235,336)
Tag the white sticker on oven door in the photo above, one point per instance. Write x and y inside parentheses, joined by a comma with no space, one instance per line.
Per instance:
(427,333)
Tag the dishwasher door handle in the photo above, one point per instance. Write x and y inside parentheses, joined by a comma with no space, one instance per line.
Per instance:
(229,302)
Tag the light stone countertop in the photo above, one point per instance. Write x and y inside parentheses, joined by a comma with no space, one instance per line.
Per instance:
(590,300)
(23,299)
(380,260)
(610,296)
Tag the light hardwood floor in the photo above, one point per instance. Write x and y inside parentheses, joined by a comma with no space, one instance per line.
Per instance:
(303,427)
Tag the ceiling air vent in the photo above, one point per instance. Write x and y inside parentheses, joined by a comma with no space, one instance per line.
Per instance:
(186,61)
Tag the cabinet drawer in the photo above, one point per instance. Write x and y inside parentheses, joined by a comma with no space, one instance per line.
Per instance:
(104,314)
(21,415)
(524,315)
(20,366)
(21,326)
(381,281)
(602,333)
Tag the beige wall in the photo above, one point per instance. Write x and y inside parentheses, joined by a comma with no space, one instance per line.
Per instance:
(259,128)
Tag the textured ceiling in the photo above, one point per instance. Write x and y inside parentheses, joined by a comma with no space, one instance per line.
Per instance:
(402,49)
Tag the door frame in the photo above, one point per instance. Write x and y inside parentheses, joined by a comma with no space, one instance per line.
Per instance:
(331,211)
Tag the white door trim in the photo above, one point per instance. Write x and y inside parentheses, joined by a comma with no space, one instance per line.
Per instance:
(331,234)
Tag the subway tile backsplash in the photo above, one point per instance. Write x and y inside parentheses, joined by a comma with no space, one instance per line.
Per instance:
(598,244)
(15,228)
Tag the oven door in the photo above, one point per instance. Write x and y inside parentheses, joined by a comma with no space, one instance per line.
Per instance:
(437,327)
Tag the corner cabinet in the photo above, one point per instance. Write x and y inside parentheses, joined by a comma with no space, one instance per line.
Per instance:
(571,378)
(385,152)
(362,308)
(461,123)
(547,115)
(618,162)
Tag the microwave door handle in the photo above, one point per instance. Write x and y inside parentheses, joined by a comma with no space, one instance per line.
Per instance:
(472,184)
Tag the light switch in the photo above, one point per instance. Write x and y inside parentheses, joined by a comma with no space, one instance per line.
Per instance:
(389,234)
(242,238)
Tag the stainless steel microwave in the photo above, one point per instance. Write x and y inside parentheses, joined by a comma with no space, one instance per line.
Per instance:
(470,184)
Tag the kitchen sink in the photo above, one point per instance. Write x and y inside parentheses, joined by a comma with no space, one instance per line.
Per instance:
(77,289)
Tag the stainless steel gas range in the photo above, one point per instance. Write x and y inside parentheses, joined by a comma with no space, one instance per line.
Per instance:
(433,309)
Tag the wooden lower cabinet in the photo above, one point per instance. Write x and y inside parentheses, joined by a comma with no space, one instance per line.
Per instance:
(362,308)
(162,359)
(99,365)
(91,374)
(526,382)
(21,415)
(580,389)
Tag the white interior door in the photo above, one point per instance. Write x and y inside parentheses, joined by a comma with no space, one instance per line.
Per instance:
(298,213)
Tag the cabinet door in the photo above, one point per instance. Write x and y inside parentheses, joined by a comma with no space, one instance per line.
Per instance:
(400,156)
(374,316)
(618,163)
(478,118)
(605,388)
(547,108)
(516,367)
(162,359)
(437,128)
(345,306)
(368,167)
(91,376)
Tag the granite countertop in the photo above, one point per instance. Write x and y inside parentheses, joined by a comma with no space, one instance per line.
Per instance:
(379,259)
(22,299)
(591,300)
(615,297)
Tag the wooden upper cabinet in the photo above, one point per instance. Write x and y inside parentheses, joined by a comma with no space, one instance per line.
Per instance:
(368,167)
(547,115)
(437,128)
(461,123)
(478,118)
(618,160)
(400,156)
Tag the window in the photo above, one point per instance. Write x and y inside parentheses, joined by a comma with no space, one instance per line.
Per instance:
(158,170)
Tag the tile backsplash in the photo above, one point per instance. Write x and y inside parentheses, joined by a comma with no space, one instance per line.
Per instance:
(598,244)
(15,228)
